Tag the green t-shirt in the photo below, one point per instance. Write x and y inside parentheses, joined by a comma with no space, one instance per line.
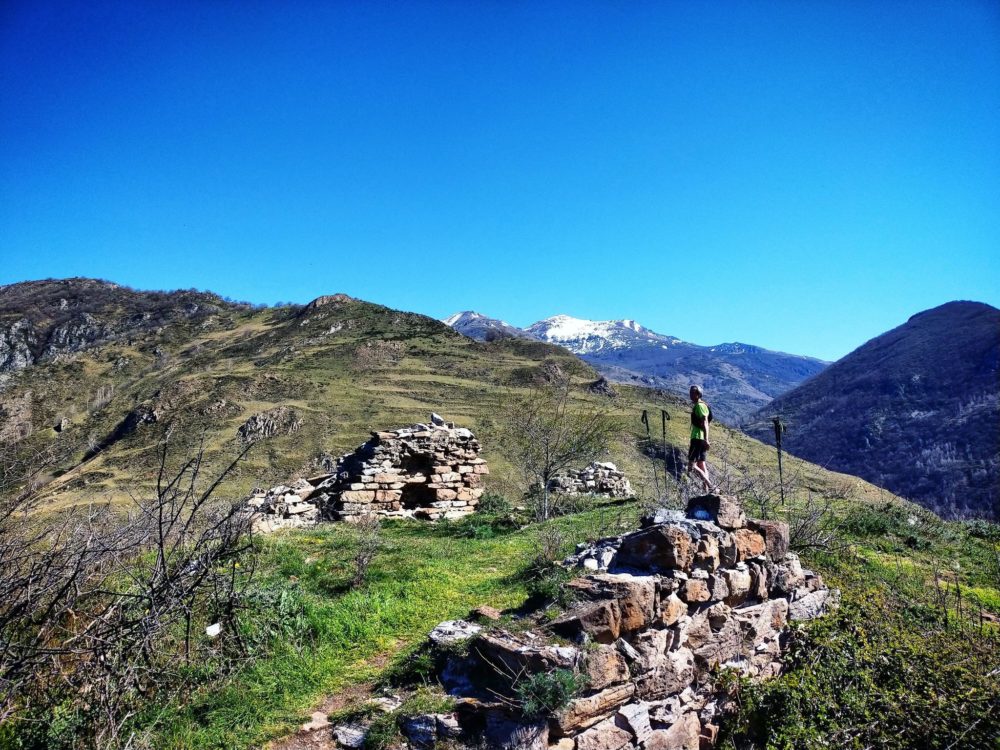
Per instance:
(699,410)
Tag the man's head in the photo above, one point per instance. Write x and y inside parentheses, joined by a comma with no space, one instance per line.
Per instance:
(695,392)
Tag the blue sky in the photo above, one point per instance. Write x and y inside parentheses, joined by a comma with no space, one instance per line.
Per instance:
(801,176)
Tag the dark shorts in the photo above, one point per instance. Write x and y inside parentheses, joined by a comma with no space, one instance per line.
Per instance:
(698,451)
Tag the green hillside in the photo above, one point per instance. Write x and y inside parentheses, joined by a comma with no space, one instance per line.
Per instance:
(345,367)
(910,660)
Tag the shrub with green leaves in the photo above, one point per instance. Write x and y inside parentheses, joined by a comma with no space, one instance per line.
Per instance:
(495,516)
(544,693)
(876,674)
(546,582)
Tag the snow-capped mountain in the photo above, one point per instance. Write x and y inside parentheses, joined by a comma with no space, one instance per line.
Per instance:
(738,378)
(477,326)
(592,336)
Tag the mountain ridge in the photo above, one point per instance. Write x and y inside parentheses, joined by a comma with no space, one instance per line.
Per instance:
(914,409)
(738,378)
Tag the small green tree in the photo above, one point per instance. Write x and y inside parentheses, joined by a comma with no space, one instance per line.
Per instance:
(543,431)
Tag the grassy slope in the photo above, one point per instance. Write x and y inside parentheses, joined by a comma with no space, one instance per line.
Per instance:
(337,638)
(378,368)
(382,368)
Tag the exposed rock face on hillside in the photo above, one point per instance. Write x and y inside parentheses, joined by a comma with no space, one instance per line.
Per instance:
(683,597)
(428,471)
(599,478)
(43,320)
(916,410)
(277,421)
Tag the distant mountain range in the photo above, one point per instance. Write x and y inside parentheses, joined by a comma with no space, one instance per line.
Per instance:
(915,410)
(738,378)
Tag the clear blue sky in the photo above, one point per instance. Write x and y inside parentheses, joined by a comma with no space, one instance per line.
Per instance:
(797,175)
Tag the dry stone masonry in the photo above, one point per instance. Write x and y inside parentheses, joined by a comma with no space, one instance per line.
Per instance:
(671,604)
(599,478)
(424,471)
(284,506)
(429,471)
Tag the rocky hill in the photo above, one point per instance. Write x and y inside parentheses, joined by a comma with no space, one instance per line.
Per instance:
(96,373)
(915,410)
(41,321)
(104,372)
(738,378)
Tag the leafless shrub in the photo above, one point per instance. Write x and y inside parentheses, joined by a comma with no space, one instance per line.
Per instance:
(99,612)
(102,397)
(812,522)
(543,432)
(368,541)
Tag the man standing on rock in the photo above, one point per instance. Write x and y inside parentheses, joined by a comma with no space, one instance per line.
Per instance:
(701,416)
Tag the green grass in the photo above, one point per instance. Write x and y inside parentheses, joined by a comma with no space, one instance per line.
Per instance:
(330,638)
(887,670)
(422,576)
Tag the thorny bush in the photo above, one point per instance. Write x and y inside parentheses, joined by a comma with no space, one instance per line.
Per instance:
(100,613)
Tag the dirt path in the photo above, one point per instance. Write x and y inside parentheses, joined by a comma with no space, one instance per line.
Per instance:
(319,736)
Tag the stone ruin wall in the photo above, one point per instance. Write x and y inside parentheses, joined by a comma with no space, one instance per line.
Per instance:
(424,471)
(599,478)
(669,605)
(428,471)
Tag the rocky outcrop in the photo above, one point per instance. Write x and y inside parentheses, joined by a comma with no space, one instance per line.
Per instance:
(17,341)
(602,387)
(682,598)
(429,471)
(44,321)
(599,478)
(328,299)
(75,335)
(277,421)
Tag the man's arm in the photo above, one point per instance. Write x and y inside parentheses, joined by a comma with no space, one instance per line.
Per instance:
(704,427)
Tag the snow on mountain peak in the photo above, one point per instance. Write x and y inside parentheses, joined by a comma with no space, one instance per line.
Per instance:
(451,320)
(587,336)
(469,316)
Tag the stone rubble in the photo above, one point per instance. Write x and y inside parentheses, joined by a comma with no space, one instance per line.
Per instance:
(599,478)
(672,602)
(429,471)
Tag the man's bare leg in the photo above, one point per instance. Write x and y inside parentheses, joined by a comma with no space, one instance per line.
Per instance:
(701,469)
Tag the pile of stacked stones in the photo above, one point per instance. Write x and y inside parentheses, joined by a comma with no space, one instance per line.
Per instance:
(284,506)
(428,471)
(599,478)
(686,595)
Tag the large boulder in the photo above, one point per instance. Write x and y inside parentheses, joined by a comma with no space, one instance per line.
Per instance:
(600,620)
(814,604)
(775,535)
(635,595)
(722,510)
(684,734)
(604,736)
(582,713)
(658,549)
(605,666)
